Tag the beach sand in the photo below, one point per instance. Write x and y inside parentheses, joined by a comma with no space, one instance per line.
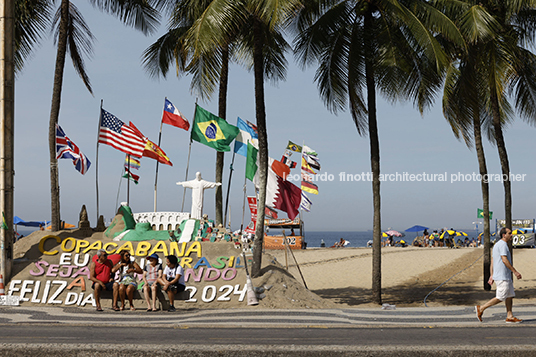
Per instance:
(342,277)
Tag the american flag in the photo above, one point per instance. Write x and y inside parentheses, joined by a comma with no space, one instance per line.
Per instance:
(118,135)
(66,149)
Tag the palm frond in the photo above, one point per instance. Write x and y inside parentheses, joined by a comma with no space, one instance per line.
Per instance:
(79,41)
(32,19)
(138,14)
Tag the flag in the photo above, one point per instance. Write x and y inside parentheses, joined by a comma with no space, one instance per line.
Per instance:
(312,161)
(66,149)
(248,132)
(279,168)
(281,194)
(132,162)
(213,131)
(305,167)
(294,147)
(309,187)
(305,202)
(251,161)
(306,177)
(4,224)
(131,176)
(152,150)
(120,136)
(480,213)
(307,150)
(291,164)
(173,116)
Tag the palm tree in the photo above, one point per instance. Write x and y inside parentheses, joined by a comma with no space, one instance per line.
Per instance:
(464,108)
(172,48)
(367,46)
(495,65)
(257,27)
(32,20)
(74,36)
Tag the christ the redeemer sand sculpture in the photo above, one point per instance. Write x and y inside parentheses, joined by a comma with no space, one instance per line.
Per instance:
(198,186)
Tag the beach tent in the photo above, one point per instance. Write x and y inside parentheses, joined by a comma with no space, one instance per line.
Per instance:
(20,222)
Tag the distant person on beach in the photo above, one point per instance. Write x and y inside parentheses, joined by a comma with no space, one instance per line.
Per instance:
(100,273)
(41,228)
(501,271)
(126,283)
(173,280)
(151,273)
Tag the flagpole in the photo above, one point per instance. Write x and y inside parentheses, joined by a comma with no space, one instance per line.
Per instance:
(128,181)
(244,204)
(97,160)
(119,188)
(157,162)
(229,188)
(188,162)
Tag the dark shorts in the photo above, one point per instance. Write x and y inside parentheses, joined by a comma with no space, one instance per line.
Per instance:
(177,288)
(107,286)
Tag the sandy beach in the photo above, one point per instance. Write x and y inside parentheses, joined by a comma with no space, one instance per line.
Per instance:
(342,277)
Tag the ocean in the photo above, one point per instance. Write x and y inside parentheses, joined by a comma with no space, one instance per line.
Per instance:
(314,238)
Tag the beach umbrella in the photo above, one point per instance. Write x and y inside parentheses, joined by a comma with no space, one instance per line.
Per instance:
(385,235)
(394,233)
(448,233)
(416,229)
(461,234)
(518,231)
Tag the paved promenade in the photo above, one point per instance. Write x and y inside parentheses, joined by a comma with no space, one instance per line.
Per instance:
(258,317)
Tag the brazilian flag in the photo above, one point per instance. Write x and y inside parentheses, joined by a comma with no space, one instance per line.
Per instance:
(213,131)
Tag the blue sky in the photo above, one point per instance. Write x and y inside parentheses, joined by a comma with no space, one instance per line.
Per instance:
(410,144)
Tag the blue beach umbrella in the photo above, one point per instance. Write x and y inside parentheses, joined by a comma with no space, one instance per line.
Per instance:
(416,229)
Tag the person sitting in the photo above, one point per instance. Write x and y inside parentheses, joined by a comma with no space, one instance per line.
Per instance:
(100,273)
(151,273)
(173,280)
(126,282)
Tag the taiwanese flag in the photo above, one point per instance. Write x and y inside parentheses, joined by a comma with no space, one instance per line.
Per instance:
(173,116)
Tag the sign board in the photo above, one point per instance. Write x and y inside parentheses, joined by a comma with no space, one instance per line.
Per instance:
(523,240)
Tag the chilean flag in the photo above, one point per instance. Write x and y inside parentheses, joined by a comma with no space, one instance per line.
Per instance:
(173,116)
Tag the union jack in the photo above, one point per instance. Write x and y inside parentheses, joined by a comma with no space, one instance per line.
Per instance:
(66,149)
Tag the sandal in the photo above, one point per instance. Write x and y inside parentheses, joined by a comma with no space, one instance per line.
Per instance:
(132,308)
(149,310)
(115,308)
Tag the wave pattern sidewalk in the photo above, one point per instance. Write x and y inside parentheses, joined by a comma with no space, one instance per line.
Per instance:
(260,318)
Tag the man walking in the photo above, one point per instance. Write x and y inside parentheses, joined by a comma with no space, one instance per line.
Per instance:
(501,272)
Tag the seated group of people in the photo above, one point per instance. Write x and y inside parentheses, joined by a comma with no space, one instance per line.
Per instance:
(121,279)
(435,239)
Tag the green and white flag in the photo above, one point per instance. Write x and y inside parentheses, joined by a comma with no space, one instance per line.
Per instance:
(213,131)
(251,162)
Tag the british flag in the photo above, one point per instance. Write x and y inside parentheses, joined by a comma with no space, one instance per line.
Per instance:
(66,149)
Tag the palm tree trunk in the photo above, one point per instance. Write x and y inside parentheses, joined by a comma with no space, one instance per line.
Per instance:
(222,109)
(375,166)
(477,133)
(54,115)
(505,166)
(260,111)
